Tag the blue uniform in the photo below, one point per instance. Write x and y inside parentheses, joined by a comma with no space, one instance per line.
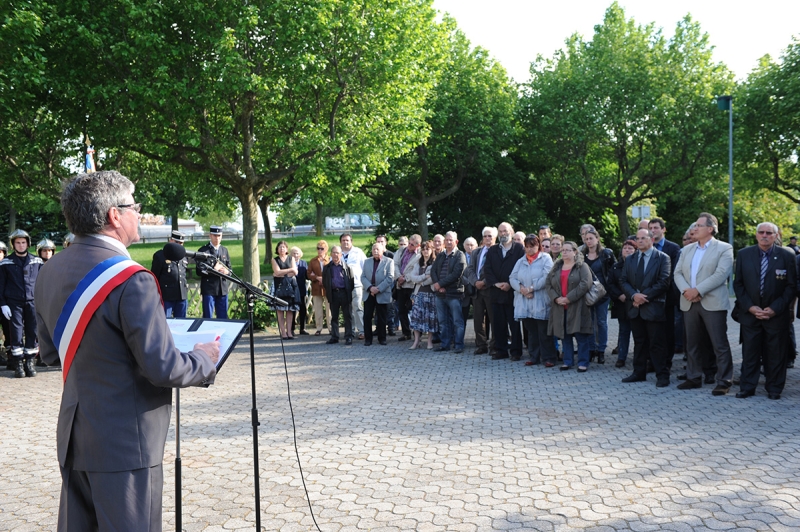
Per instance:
(17,281)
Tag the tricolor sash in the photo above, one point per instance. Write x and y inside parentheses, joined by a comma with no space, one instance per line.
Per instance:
(81,305)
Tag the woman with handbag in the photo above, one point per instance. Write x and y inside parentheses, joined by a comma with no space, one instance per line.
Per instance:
(567,285)
(284,286)
(423,311)
(600,260)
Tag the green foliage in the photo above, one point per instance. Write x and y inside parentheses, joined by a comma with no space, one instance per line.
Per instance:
(471,130)
(626,117)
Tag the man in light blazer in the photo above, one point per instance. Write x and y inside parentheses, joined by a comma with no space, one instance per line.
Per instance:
(701,275)
(117,397)
(645,281)
(764,284)
(377,278)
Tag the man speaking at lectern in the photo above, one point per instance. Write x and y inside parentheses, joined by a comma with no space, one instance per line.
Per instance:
(101,314)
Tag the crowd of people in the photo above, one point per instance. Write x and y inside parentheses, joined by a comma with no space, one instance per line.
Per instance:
(551,297)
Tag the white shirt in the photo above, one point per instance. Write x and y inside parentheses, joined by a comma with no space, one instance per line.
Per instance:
(355,258)
(698,256)
(114,242)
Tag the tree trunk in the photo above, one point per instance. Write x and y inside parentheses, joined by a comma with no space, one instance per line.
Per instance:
(422,220)
(320,225)
(12,220)
(622,217)
(263,205)
(252,268)
(174,216)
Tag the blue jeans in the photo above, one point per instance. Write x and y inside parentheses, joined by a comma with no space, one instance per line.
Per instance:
(451,322)
(583,349)
(599,339)
(176,309)
(218,303)
(624,340)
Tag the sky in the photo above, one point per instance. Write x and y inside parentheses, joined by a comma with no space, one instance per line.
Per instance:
(516,31)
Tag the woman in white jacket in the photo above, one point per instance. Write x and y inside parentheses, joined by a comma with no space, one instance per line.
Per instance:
(531,302)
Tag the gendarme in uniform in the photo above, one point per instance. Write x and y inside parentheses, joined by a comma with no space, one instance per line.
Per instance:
(214,289)
(171,277)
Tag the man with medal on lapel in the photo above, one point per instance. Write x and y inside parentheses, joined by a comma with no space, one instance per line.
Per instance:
(100,313)
(171,277)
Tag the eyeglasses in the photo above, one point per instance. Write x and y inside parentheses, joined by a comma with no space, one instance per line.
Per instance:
(766,233)
(135,206)
(320,249)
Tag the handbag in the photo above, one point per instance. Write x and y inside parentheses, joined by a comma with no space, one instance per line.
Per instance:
(286,289)
(595,293)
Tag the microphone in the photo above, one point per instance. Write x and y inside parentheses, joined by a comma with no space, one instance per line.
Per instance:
(176,252)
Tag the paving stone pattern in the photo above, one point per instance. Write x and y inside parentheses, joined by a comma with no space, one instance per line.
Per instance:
(395,440)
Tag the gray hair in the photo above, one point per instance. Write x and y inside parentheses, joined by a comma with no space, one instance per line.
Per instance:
(470,240)
(416,239)
(336,248)
(452,234)
(492,230)
(774,227)
(87,198)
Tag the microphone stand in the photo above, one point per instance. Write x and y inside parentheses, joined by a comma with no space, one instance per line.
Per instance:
(251,294)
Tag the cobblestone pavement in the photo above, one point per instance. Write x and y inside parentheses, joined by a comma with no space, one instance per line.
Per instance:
(395,440)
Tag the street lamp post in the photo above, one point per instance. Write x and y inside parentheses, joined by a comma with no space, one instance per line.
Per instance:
(725,103)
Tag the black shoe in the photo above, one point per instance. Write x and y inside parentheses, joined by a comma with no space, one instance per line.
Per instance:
(367,343)
(619,364)
(332,341)
(682,377)
(39,363)
(19,369)
(29,366)
(593,355)
(403,338)
(774,396)
(392,333)
(481,351)
(440,349)
(458,351)
(435,341)
(382,342)
(601,358)
(736,381)
(349,341)
(615,351)
(710,379)
(303,331)
(744,395)
(516,359)
(565,368)
(690,385)
(790,365)
(633,378)
(720,390)
(650,367)
(499,356)
(662,383)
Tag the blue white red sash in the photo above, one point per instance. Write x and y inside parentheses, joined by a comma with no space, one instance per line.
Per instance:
(81,305)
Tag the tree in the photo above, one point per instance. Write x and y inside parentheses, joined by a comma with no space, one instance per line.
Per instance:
(472,127)
(627,116)
(767,116)
(250,93)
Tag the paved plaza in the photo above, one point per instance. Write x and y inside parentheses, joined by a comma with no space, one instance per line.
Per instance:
(398,440)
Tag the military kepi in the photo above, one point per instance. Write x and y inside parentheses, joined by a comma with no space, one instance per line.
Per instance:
(215,230)
(177,236)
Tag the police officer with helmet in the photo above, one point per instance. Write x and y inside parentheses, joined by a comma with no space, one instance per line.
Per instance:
(5,353)
(18,273)
(45,249)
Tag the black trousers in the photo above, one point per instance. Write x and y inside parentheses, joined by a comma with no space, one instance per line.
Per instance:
(541,347)
(339,301)
(300,316)
(765,341)
(503,321)
(403,299)
(23,329)
(649,339)
(371,308)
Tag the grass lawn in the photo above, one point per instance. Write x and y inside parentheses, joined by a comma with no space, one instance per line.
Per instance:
(143,253)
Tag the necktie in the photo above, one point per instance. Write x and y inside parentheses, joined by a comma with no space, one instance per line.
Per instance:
(764,266)
(639,279)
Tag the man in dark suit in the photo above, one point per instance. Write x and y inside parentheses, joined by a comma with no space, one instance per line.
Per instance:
(116,401)
(764,283)
(337,279)
(500,262)
(658,228)
(171,277)
(214,289)
(645,281)
(475,275)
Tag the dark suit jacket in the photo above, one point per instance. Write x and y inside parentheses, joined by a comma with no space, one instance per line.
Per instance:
(497,269)
(673,250)
(779,285)
(171,276)
(327,282)
(654,285)
(210,284)
(117,400)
